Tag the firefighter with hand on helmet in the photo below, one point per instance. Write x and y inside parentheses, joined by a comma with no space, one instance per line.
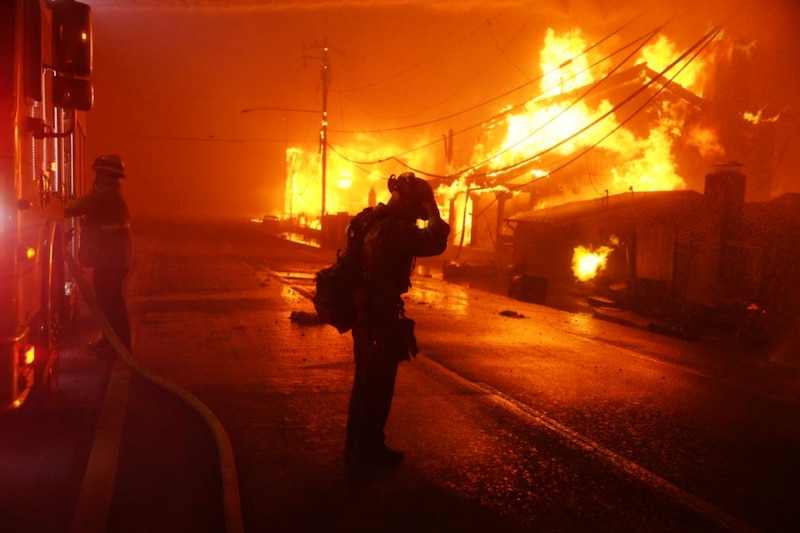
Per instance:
(382,335)
(106,246)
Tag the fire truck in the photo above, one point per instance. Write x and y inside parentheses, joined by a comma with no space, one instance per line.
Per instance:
(45,92)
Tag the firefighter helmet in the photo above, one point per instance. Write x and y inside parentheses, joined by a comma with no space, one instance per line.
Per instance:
(415,192)
(408,183)
(109,164)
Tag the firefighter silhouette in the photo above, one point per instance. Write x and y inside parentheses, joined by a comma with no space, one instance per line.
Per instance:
(382,335)
(106,246)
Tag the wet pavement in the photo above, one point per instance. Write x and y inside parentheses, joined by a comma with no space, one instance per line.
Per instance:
(486,449)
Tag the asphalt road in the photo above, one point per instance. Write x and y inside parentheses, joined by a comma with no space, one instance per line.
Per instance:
(515,417)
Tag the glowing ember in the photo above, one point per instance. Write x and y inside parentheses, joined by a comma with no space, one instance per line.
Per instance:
(756,118)
(587,263)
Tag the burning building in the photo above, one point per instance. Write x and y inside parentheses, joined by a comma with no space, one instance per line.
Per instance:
(655,126)
(642,115)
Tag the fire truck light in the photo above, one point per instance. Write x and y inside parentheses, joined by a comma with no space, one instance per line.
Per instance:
(29,354)
(30,253)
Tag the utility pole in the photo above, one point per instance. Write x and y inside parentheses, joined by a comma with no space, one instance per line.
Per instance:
(323,131)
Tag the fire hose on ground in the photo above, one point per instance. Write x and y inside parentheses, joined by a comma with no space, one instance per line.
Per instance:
(230,484)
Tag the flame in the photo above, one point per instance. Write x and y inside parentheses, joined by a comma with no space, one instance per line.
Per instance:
(549,129)
(651,167)
(345,189)
(587,263)
(544,124)
(706,141)
(348,187)
(563,67)
(455,201)
(660,54)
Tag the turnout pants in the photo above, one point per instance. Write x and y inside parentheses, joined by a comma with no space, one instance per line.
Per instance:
(371,396)
(108,288)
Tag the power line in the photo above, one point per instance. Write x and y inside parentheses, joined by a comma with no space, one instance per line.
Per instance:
(577,100)
(502,95)
(641,40)
(414,66)
(518,166)
(210,138)
(698,47)
(695,50)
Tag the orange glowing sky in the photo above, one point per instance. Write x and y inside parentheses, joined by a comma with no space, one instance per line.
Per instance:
(172,78)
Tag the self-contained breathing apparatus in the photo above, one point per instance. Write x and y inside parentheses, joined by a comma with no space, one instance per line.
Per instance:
(336,285)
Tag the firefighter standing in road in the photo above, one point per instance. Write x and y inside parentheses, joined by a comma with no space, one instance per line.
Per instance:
(106,246)
(382,335)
